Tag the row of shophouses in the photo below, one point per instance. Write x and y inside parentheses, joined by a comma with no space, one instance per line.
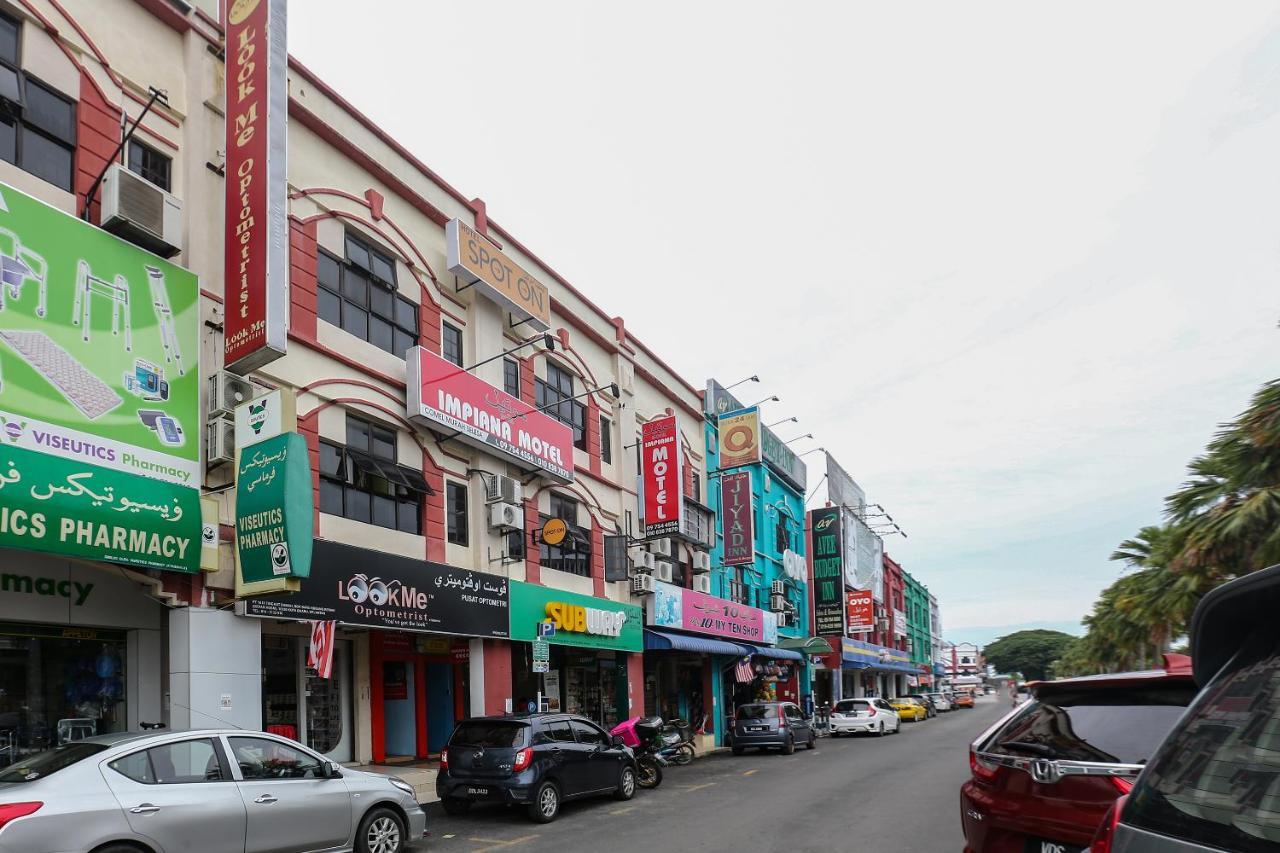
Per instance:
(510,498)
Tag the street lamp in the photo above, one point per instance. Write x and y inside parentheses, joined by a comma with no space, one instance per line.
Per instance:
(783,421)
(798,437)
(752,378)
(807,452)
(773,399)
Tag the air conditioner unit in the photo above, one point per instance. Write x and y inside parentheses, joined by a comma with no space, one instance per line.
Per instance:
(141,212)
(777,603)
(880,611)
(778,588)
(502,489)
(642,585)
(226,391)
(702,583)
(783,620)
(662,572)
(660,548)
(220,440)
(505,517)
(642,560)
(701,562)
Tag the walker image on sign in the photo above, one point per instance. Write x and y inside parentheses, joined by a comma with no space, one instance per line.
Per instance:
(662,466)
(274,512)
(99,346)
(442,394)
(475,260)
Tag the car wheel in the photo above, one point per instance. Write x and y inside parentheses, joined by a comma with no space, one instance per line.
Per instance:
(455,805)
(381,831)
(813,741)
(880,731)
(546,803)
(738,750)
(626,784)
(789,748)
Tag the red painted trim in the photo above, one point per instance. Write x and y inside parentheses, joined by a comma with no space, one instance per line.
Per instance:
(497,675)
(357,382)
(377,714)
(347,360)
(209,294)
(420,703)
(342,194)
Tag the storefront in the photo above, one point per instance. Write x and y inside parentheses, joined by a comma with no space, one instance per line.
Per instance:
(416,665)
(588,663)
(871,670)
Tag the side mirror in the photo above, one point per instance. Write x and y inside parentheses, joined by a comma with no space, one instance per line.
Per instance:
(618,741)
(331,770)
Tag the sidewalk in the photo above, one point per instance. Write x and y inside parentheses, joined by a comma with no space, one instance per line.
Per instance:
(420,774)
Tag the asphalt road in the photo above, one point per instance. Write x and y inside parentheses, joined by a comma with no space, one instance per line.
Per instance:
(897,794)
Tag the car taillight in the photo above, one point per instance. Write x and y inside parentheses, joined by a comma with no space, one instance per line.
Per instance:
(1106,834)
(1122,785)
(444,759)
(523,758)
(982,770)
(12,811)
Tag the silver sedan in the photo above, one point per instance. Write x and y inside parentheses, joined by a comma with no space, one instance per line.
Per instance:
(200,792)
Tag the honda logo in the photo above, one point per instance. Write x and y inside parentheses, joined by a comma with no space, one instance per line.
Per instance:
(1044,771)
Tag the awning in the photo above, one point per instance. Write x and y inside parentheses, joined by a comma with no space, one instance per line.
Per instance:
(806,645)
(663,641)
(775,653)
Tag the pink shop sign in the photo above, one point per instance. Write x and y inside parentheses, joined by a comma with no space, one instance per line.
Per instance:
(687,610)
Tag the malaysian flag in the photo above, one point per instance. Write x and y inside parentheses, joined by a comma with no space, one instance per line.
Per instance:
(743,673)
(320,655)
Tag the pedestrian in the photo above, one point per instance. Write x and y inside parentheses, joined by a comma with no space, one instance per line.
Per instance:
(1013,693)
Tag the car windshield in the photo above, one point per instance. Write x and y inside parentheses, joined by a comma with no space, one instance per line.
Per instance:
(47,763)
(489,734)
(1119,725)
(757,712)
(849,706)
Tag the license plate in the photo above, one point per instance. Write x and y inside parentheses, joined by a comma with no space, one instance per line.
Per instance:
(1042,845)
(757,729)
(482,792)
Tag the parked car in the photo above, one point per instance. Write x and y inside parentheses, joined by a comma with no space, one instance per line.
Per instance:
(874,716)
(231,789)
(1211,785)
(1043,777)
(964,699)
(909,709)
(942,702)
(538,761)
(923,699)
(770,724)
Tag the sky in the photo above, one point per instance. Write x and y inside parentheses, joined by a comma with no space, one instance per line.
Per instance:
(1011,264)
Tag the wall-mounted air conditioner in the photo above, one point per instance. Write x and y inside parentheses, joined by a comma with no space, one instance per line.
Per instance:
(784,620)
(501,489)
(220,440)
(701,562)
(702,583)
(778,588)
(141,212)
(226,391)
(641,560)
(660,548)
(777,603)
(662,572)
(504,517)
(642,585)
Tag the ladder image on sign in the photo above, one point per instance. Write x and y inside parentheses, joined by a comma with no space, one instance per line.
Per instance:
(93,397)
(164,316)
(88,286)
(18,265)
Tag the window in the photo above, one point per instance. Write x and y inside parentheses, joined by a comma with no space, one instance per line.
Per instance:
(38,123)
(737,591)
(557,731)
(511,376)
(363,482)
(573,554)
(606,441)
(149,163)
(359,295)
(45,764)
(9,29)
(455,508)
(783,533)
(696,492)
(451,343)
(589,734)
(260,758)
(182,763)
(489,734)
(556,395)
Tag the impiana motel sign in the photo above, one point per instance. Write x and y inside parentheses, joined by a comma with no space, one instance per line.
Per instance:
(663,476)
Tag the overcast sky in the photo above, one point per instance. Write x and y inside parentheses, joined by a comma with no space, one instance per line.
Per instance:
(1011,265)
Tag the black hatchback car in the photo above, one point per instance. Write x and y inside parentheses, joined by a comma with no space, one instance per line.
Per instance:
(538,761)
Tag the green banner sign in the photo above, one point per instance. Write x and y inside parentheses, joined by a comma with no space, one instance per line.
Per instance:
(274,510)
(99,346)
(578,620)
(65,507)
(828,571)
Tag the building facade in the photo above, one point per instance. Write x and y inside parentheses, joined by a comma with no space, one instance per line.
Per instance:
(964,664)
(919,633)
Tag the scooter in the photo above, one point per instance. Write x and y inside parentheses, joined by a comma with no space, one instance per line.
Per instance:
(643,735)
(677,740)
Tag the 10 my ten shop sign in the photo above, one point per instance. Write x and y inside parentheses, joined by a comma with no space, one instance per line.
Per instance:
(828,574)
(99,413)
(663,481)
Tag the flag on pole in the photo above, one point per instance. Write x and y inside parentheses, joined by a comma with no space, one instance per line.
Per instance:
(320,655)
(743,673)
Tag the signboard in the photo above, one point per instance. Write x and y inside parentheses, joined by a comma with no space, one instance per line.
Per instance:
(275,513)
(718,400)
(617,565)
(442,394)
(688,610)
(662,476)
(900,622)
(578,620)
(474,259)
(256,252)
(860,611)
(738,518)
(554,531)
(357,586)
(61,506)
(99,345)
(267,416)
(541,650)
(782,459)
(739,438)
(828,580)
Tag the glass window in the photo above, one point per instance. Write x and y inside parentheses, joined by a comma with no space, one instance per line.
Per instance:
(573,554)
(136,766)
(451,344)
(557,731)
(185,762)
(150,164)
(511,376)
(588,734)
(260,758)
(44,764)
(758,712)
(382,443)
(489,734)
(46,158)
(364,489)
(456,513)
(360,296)
(606,440)
(50,112)
(850,706)
(9,29)
(555,394)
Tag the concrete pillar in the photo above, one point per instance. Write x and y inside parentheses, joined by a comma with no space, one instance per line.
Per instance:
(215,670)
(490,676)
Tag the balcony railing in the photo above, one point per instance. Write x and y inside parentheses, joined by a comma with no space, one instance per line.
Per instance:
(698,525)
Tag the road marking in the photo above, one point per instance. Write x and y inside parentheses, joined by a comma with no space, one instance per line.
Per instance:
(623,811)
(495,844)
(697,787)
(749,772)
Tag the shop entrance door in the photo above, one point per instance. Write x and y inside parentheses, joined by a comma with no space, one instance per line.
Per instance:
(398,708)
(440,705)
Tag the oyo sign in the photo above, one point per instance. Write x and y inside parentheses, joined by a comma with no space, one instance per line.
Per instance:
(793,565)
(663,476)
(585,620)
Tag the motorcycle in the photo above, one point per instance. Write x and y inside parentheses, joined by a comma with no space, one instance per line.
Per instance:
(644,736)
(677,742)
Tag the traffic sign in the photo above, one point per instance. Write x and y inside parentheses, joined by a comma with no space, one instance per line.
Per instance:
(541,666)
(541,650)
(546,628)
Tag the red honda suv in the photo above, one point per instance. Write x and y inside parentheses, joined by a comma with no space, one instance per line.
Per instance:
(1044,776)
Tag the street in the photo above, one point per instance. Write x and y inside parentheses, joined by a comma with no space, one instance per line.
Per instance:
(897,793)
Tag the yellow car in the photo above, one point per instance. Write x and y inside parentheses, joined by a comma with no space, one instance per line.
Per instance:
(909,709)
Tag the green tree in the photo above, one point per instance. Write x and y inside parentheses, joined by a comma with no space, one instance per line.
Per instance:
(1028,652)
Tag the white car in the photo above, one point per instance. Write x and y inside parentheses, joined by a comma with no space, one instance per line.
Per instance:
(942,702)
(850,716)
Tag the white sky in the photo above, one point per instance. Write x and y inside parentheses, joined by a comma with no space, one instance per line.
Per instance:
(1010,264)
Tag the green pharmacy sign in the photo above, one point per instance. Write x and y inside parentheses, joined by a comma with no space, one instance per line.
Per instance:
(57,505)
(274,513)
(99,346)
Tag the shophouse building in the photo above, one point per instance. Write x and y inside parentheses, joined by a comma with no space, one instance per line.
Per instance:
(471,419)
(919,639)
(935,640)
(964,664)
